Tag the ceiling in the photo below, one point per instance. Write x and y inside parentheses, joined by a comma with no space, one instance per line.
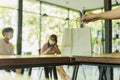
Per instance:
(80,4)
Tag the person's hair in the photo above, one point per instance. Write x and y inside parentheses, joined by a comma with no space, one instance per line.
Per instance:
(55,39)
(54,36)
(7,29)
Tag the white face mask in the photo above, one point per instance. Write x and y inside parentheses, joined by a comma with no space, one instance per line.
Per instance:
(51,42)
(10,35)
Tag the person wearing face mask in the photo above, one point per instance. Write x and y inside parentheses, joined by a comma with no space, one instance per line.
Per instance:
(51,47)
(6,47)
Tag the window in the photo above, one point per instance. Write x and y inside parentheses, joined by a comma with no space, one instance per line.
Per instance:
(97,28)
(9,3)
(53,22)
(8,17)
(30,30)
(53,10)
(74,21)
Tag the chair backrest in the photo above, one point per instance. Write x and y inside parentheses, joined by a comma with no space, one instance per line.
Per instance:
(39,51)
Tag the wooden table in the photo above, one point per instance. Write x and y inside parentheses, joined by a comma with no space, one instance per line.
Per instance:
(104,60)
(18,61)
(29,61)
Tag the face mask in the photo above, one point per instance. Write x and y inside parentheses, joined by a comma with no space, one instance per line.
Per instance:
(10,35)
(51,42)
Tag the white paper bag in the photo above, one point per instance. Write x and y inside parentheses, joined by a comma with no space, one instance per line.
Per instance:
(76,42)
(81,42)
(67,42)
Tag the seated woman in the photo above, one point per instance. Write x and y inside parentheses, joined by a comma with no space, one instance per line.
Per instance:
(51,47)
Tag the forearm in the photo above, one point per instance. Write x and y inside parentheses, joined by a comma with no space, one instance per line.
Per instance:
(45,52)
(113,14)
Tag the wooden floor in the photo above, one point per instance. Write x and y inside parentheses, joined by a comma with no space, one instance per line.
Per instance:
(85,73)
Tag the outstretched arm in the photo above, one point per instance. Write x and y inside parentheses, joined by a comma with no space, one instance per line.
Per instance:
(113,14)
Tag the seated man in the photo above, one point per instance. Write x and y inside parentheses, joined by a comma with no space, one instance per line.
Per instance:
(6,48)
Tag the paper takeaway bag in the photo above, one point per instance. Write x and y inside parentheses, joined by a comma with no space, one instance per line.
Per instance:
(76,42)
(67,42)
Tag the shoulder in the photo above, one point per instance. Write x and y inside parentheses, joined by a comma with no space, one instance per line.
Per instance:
(45,45)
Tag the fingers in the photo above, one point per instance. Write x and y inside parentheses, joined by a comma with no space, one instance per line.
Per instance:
(89,18)
(85,18)
(49,48)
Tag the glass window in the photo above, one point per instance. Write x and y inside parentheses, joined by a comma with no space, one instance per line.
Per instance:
(52,26)
(74,24)
(97,28)
(31,6)
(53,23)
(115,34)
(8,18)
(9,3)
(53,10)
(30,33)
(31,29)
(74,15)
(74,19)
